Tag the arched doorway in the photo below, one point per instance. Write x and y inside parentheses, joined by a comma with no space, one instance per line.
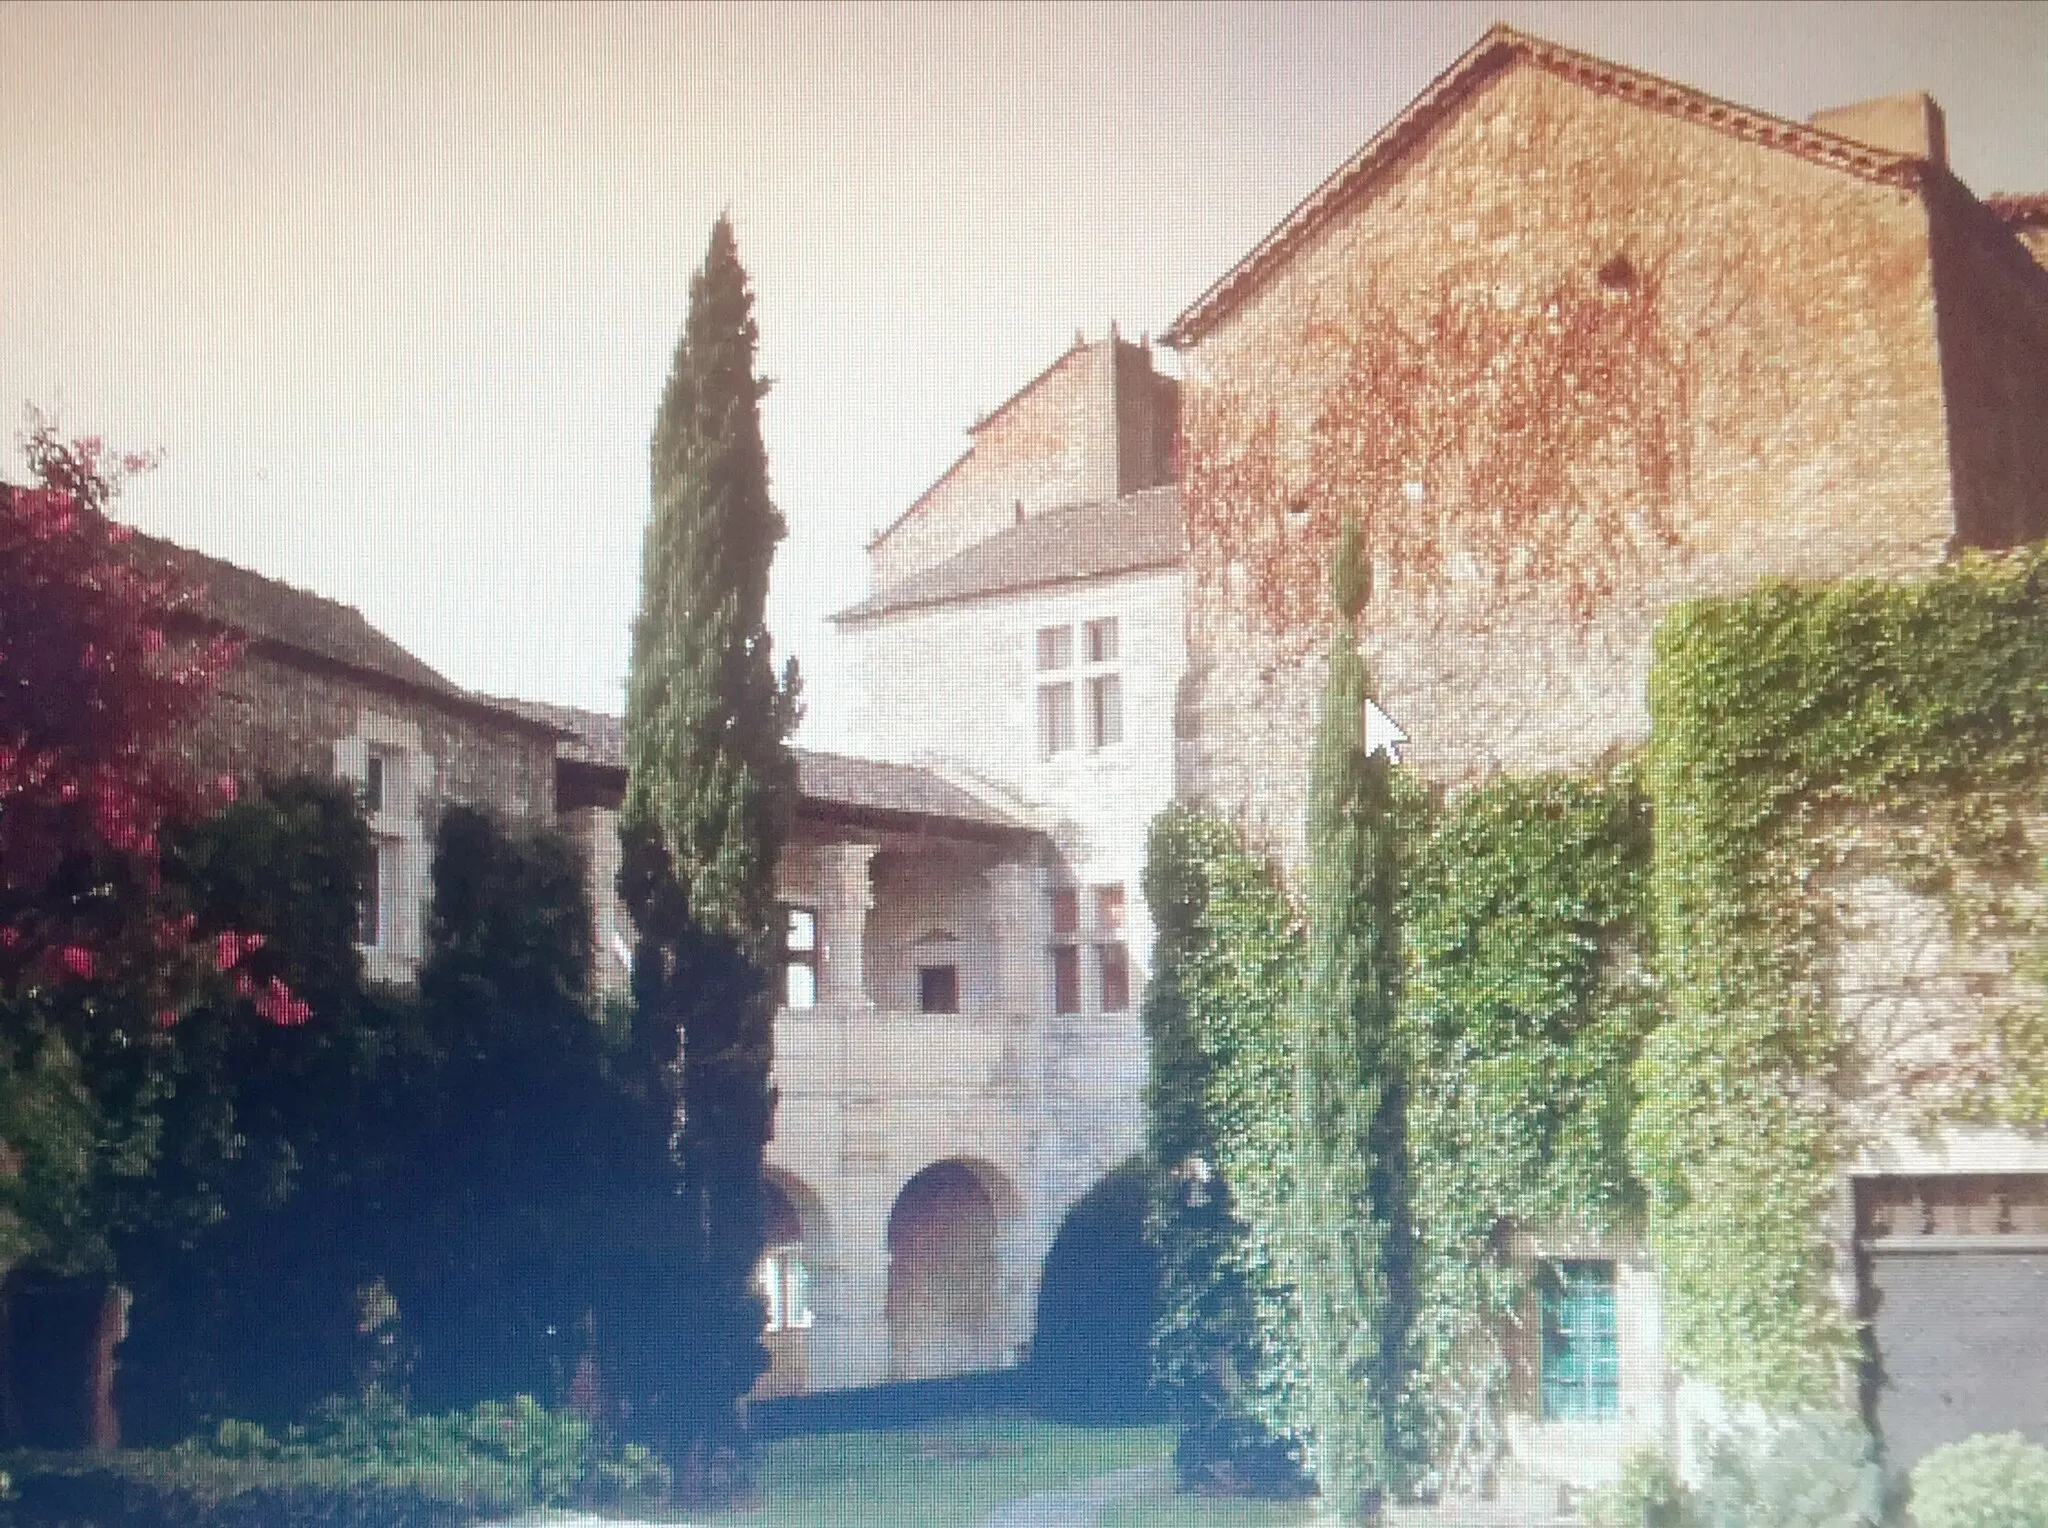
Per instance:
(786,1278)
(1091,1353)
(942,1310)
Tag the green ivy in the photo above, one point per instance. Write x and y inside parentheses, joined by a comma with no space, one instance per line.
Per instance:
(1782,722)
(1527,999)
(1220,1109)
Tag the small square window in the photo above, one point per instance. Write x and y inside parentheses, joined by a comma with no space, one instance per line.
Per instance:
(1099,640)
(1115,962)
(1066,978)
(1055,719)
(1105,711)
(1055,647)
(938,989)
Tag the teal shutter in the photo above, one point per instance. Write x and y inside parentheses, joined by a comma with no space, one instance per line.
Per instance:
(1581,1355)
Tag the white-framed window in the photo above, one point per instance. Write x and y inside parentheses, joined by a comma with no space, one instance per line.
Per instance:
(374,927)
(1080,702)
(373,783)
(1112,954)
(1055,690)
(800,959)
(785,1284)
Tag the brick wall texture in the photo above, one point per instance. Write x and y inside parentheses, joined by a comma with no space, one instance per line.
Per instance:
(1095,425)
(273,717)
(1830,424)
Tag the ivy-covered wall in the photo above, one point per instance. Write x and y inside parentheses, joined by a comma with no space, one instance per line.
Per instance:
(1526,998)
(1806,739)
(1676,998)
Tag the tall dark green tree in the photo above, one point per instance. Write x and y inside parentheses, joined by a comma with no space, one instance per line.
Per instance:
(1352,1240)
(710,785)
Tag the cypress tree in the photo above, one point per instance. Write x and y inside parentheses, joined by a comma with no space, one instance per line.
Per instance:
(1351,1232)
(710,784)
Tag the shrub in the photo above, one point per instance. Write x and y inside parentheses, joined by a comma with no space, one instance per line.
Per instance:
(1989,1481)
(1647,1494)
(1806,1470)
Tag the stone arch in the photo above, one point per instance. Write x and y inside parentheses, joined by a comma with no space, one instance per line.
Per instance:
(944,1308)
(795,1238)
(1098,1299)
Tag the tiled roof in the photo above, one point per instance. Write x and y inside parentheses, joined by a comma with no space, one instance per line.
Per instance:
(593,736)
(843,780)
(1139,531)
(276,614)
(825,779)
(1501,46)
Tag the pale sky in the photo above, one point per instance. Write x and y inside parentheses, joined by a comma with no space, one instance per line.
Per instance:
(395,288)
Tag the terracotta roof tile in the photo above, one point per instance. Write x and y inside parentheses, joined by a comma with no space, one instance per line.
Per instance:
(1139,531)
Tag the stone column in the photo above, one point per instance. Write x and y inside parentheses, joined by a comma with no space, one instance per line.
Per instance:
(845,894)
(1016,922)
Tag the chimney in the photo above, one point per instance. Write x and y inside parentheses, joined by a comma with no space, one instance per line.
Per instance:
(1908,123)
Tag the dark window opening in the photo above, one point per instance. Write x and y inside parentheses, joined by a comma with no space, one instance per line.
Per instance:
(1066,978)
(938,989)
(1066,910)
(1115,960)
(373,783)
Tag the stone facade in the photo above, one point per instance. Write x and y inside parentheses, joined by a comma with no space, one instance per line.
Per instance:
(319,691)
(1852,351)
(1851,384)
(1095,425)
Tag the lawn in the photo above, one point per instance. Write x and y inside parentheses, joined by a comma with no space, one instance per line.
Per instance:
(947,1475)
(1167,1508)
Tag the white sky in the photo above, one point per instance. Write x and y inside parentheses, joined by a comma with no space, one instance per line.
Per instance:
(395,288)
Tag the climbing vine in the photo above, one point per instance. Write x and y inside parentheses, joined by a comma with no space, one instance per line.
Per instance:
(1801,735)
(1525,1000)
(1218,1106)
(1528,998)
(1540,438)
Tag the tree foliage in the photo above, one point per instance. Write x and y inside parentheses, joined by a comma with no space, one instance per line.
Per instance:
(710,785)
(1223,1337)
(99,672)
(1352,1241)
(710,776)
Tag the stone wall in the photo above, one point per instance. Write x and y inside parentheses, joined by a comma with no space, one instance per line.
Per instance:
(275,716)
(1097,424)
(1796,303)
(1993,302)
(973,713)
